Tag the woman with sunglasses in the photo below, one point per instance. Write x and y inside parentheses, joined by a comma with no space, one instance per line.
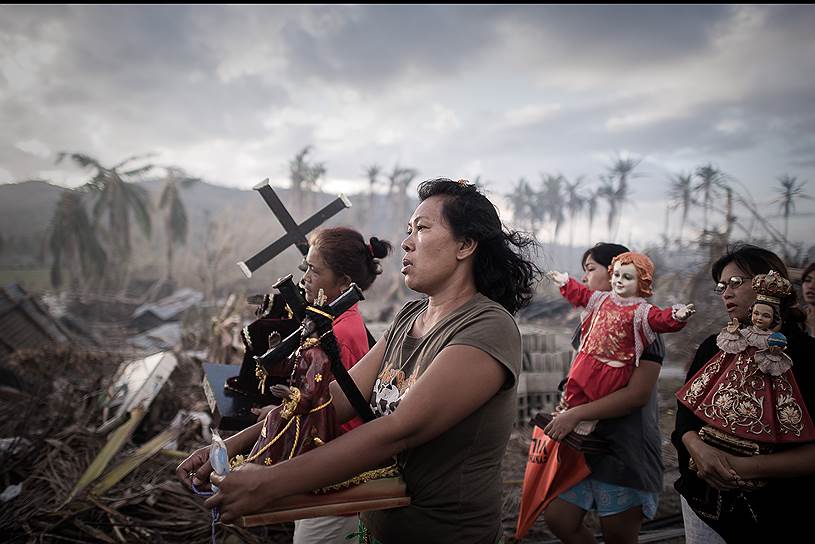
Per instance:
(780,508)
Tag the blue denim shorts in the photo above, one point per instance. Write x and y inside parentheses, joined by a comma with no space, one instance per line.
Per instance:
(609,499)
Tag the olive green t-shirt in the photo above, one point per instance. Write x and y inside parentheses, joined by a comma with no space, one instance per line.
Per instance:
(454,480)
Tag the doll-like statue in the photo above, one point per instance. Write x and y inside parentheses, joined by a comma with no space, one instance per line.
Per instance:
(747,391)
(305,419)
(765,316)
(615,328)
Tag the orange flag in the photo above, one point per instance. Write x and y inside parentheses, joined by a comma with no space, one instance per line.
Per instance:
(552,468)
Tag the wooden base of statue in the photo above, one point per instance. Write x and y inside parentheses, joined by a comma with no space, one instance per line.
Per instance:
(230,411)
(381,494)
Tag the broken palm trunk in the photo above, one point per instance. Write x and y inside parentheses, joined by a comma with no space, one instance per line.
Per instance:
(133,389)
(116,441)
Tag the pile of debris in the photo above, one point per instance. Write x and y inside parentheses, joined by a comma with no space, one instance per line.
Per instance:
(61,479)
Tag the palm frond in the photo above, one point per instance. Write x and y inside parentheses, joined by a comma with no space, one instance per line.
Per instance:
(178,222)
(168,194)
(140,204)
(134,158)
(138,172)
(80,159)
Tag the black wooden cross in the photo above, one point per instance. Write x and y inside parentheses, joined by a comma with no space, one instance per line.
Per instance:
(295,234)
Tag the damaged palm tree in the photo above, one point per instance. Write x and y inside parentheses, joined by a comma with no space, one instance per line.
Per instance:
(119,198)
(74,244)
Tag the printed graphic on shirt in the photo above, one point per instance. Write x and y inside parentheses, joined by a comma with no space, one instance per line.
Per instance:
(390,388)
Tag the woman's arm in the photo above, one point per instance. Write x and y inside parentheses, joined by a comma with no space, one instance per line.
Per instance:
(633,396)
(792,463)
(712,465)
(460,380)
(364,375)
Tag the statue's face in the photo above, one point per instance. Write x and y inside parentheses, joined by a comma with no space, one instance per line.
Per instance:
(624,280)
(762,316)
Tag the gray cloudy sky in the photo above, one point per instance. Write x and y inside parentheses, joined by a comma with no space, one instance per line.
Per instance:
(231,93)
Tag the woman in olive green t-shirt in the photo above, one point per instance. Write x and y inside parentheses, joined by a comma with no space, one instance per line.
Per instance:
(458,353)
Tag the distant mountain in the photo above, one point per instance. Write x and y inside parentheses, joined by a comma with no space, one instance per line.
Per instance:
(26,210)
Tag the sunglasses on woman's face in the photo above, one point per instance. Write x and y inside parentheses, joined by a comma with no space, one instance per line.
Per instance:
(734,283)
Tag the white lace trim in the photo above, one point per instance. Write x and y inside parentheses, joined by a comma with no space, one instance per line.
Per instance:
(756,337)
(595,300)
(731,342)
(771,363)
(641,324)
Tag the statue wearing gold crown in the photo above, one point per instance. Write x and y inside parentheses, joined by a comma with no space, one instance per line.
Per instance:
(746,393)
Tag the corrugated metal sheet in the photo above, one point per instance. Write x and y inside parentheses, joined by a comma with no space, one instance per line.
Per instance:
(24,323)
(170,307)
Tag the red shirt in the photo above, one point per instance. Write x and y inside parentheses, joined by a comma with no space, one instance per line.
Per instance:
(349,329)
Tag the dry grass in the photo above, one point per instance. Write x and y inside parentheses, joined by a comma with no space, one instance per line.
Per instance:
(57,444)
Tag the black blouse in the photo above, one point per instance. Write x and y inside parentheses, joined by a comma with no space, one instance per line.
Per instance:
(782,507)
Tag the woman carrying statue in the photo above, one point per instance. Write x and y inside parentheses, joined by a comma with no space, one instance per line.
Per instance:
(442,382)
(625,483)
(744,436)
(337,257)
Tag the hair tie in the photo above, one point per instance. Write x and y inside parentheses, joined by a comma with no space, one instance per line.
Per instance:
(371,249)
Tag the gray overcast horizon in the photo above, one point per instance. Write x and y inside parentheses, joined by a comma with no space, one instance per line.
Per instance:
(231,93)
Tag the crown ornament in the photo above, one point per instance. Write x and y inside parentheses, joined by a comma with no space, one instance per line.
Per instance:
(771,287)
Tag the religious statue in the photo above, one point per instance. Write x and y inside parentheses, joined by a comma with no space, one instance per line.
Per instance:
(305,419)
(747,393)
(616,327)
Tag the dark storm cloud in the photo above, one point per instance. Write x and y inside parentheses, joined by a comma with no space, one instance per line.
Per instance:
(619,34)
(377,44)
(185,76)
(147,71)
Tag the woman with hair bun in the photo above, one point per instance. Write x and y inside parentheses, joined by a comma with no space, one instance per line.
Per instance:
(337,257)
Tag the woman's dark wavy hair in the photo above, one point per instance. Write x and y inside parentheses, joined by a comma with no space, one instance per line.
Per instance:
(504,271)
(756,260)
